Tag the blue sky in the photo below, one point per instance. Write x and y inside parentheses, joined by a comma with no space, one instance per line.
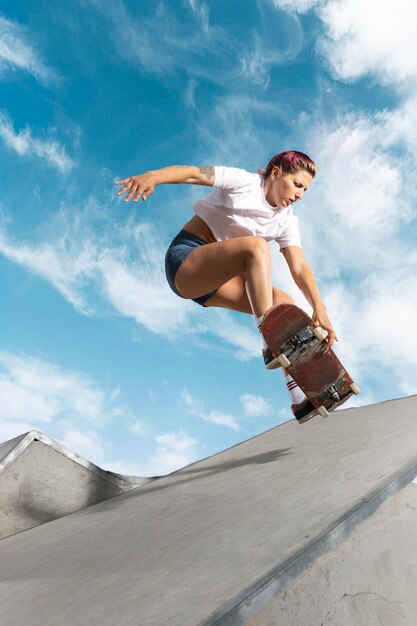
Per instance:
(96,351)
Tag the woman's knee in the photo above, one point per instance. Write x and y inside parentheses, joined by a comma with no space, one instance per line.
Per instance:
(257,247)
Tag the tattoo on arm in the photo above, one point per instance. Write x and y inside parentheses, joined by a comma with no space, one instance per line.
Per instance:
(208,171)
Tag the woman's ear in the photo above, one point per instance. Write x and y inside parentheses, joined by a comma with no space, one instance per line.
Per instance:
(275,172)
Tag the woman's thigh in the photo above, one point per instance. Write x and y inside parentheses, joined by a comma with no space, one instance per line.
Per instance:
(232,295)
(214,264)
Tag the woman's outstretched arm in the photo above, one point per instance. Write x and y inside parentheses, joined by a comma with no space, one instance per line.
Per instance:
(143,185)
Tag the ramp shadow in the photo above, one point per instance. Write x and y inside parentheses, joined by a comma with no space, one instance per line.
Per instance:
(190,474)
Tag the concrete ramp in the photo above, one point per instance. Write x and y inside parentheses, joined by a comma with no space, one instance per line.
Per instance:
(41,480)
(312,525)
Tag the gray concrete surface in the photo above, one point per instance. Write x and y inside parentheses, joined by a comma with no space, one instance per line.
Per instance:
(368,580)
(41,480)
(221,540)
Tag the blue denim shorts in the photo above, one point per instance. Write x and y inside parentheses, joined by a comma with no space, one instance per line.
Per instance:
(179,248)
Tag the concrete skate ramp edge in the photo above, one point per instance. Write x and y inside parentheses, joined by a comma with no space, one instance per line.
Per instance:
(259,595)
(41,480)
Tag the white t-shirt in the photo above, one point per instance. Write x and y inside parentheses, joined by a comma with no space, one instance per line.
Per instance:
(238,208)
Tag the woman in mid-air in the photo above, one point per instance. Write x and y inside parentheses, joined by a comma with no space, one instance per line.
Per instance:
(221,256)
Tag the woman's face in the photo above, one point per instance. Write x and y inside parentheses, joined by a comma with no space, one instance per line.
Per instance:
(281,189)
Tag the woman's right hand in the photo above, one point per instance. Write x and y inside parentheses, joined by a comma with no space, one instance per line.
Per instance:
(140,186)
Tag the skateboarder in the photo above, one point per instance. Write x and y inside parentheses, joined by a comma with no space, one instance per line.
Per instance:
(221,257)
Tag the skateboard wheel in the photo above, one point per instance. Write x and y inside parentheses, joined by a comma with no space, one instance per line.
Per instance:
(319,333)
(323,411)
(355,389)
(282,359)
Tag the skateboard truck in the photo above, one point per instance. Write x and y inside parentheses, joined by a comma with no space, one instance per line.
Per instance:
(297,341)
(334,394)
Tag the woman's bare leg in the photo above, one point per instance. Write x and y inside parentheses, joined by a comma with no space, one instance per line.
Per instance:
(233,295)
(213,265)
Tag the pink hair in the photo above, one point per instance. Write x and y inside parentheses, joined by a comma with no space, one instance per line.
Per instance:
(290,162)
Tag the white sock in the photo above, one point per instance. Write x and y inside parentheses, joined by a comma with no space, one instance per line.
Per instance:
(259,321)
(297,395)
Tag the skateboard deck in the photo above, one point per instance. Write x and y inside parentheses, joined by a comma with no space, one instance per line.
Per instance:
(302,349)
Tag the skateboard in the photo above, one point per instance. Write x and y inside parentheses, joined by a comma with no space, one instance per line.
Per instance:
(301,348)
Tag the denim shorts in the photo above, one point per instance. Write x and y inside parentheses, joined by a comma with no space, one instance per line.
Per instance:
(179,248)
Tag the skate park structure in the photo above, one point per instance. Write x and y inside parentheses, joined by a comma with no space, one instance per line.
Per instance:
(304,524)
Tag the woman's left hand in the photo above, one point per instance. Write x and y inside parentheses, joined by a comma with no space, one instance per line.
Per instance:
(320,318)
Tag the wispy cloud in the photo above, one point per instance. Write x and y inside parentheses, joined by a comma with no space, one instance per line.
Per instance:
(25,144)
(37,392)
(121,272)
(196,409)
(17,52)
(237,132)
(87,444)
(83,268)
(255,406)
(265,49)
(298,6)
(138,427)
(196,45)
(174,450)
(62,266)
(179,43)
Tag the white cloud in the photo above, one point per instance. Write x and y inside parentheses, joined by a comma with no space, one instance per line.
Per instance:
(222,419)
(255,406)
(38,392)
(189,94)
(86,444)
(174,451)
(140,291)
(17,53)
(285,414)
(60,264)
(137,428)
(374,38)
(372,318)
(370,38)
(361,204)
(298,6)
(135,288)
(245,338)
(196,409)
(24,144)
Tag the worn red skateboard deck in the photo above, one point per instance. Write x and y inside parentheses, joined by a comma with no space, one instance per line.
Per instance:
(290,332)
